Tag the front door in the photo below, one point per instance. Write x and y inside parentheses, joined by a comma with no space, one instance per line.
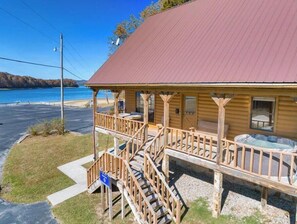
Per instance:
(189,115)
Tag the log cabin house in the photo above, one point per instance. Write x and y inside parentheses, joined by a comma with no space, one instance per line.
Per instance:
(219,80)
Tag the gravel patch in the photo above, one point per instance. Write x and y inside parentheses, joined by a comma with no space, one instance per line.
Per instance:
(239,199)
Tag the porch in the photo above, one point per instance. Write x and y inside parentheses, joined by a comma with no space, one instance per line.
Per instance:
(270,169)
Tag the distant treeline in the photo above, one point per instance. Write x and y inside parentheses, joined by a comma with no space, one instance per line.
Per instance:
(15,81)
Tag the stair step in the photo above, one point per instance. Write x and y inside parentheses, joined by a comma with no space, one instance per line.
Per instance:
(148,191)
(137,174)
(139,159)
(143,183)
(157,205)
(152,198)
(165,220)
(141,153)
(161,212)
(135,165)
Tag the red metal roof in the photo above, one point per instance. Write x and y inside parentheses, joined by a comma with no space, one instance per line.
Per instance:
(210,41)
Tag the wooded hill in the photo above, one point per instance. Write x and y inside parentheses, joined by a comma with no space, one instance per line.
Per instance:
(15,81)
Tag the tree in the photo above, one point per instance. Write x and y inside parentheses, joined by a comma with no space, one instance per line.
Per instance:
(126,28)
(167,4)
(123,31)
(151,10)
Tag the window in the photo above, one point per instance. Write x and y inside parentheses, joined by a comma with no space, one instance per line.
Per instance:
(140,106)
(190,104)
(139,103)
(262,116)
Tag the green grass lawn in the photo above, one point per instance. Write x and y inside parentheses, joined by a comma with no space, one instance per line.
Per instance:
(31,174)
(30,171)
(86,208)
(199,213)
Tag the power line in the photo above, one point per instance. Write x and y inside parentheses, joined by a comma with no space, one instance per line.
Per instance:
(40,64)
(76,51)
(40,32)
(29,62)
(39,15)
(73,74)
(68,61)
(28,24)
(57,30)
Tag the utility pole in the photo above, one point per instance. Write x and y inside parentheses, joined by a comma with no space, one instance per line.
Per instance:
(62,87)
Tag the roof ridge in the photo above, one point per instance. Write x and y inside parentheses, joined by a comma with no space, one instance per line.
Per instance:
(172,8)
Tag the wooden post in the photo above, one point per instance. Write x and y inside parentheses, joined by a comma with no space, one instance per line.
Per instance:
(264,196)
(145,97)
(95,92)
(295,201)
(221,100)
(102,198)
(110,202)
(166,97)
(165,167)
(123,203)
(217,194)
(116,95)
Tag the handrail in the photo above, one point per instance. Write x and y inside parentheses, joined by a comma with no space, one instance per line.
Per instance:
(259,161)
(192,143)
(156,179)
(139,135)
(141,199)
(119,169)
(117,124)
(154,148)
(92,172)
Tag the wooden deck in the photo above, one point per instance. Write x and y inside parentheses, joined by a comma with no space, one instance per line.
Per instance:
(269,168)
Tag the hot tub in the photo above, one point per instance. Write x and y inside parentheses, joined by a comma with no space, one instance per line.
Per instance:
(267,143)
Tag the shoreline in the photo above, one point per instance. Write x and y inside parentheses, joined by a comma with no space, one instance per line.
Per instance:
(81,103)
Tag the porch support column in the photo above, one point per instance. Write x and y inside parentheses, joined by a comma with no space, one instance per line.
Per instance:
(221,100)
(116,94)
(145,96)
(264,196)
(166,97)
(95,92)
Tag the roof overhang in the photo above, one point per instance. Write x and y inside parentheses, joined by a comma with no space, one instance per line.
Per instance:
(206,85)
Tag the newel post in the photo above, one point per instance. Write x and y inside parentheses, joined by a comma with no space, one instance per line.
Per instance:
(145,96)
(116,95)
(166,97)
(95,92)
(221,100)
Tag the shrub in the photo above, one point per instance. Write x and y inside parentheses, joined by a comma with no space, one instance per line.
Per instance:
(58,125)
(46,128)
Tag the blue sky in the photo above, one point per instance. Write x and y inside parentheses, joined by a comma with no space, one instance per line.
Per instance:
(86,25)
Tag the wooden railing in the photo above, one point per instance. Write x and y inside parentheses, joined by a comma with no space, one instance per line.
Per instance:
(93,171)
(156,146)
(192,143)
(120,125)
(134,144)
(156,179)
(119,169)
(276,165)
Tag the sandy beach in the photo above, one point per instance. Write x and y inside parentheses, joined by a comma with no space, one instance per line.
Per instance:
(83,103)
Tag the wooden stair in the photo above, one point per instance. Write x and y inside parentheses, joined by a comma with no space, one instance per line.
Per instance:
(152,199)
(137,164)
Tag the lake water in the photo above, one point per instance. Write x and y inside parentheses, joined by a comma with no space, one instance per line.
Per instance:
(46,95)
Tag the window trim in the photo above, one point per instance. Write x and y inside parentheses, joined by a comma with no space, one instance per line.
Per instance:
(154,105)
(275,110)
